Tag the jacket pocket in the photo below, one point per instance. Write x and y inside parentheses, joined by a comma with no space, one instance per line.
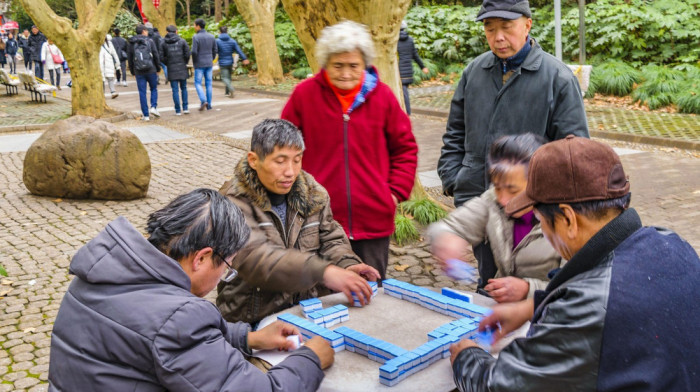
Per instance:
(309,237)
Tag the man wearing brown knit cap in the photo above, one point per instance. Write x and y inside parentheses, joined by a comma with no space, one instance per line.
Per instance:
(622,314)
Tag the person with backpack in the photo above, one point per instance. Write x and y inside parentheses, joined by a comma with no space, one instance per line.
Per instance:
(226,46)
(175,53)
(120,46)
(144,64)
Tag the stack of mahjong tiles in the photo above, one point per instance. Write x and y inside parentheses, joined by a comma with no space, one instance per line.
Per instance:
(432,300)
(397,369)
(309,330)
(374,349)
(356,300)
(330,316)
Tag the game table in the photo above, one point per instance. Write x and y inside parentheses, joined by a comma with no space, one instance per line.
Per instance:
(397,321)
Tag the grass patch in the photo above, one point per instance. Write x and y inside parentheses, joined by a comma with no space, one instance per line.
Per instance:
(424,211)
(613,78)
(405,231)
(659,86)
(301,73)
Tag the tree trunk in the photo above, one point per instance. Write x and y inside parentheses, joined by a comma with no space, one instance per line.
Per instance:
(162,16)
(217,10)
(187,4)
(259,15)
(226,8)
(80,47)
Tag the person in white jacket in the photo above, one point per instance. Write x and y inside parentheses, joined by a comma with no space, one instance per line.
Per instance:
(109,62)
(52,59)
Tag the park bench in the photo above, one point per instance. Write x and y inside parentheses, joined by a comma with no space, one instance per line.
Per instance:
(9,82)
(38,90)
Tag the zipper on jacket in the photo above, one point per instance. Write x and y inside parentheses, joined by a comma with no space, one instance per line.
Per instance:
(284,230)
(346,148)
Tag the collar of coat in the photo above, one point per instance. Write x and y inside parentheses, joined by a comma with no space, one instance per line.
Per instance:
(370,83)
(306,196)
(532,61)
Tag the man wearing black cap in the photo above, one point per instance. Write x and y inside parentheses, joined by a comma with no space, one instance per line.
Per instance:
(622,314)
(515,88)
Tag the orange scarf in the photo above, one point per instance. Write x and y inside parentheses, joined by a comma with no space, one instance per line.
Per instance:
(346,97)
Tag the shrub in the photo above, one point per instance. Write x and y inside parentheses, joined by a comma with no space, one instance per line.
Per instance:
(424,211)
(302,73)
(688,100)
(405,231)
(659,86)
(614,78)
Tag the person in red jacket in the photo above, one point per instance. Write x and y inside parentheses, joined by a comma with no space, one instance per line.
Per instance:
(359,143)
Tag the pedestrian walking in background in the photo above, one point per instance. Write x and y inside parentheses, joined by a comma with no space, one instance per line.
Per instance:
(226,46)
(407,55)
(52,59)
(36,43)
(144,64)
(204,51)
(11,48)
(120,46)
(26,50)
(359,143)
(109,63)
(175,54)
(3,60)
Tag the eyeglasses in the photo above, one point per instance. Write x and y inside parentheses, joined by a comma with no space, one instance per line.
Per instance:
(230,273)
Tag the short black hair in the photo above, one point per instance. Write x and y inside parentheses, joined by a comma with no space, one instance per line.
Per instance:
(196,220)
(200,22)
(171,29)
(594,209)
(223,29)
(116,31)
(511,150)
(139,29)
(271,133)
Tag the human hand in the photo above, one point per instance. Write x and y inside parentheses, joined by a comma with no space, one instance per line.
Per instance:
(347,282)
(425,70)
(507,289)
(458,347)
(273,336)
(323,350)
(446,245)
(506,318)
(396,201)
(246,62)
(366,271)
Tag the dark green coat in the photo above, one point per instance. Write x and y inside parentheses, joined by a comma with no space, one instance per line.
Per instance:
(542,97)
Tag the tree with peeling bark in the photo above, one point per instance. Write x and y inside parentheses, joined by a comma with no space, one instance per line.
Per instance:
(162,16)
(217,10)
(259,15)
(80,47)
(382,17)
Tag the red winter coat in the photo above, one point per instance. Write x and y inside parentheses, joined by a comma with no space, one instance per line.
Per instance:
(361,158)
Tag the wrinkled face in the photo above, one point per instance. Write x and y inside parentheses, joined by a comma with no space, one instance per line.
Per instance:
(35,30)
(506,37)
(345,69)
(510,184)
(278,171)
(556,234)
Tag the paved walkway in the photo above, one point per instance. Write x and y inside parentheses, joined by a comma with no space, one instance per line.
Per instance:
(39,235)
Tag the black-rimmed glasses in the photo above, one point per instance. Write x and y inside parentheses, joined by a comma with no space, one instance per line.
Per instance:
(231,272)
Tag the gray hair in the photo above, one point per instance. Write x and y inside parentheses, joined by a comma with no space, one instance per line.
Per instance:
(344,37)
(273,133)
(196,220)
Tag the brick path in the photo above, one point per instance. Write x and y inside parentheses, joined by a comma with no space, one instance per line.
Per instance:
(39,235)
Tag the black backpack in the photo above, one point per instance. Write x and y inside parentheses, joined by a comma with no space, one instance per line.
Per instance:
(143,60)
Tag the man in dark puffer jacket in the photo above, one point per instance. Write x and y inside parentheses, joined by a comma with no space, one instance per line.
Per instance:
(175,53)
(407,54)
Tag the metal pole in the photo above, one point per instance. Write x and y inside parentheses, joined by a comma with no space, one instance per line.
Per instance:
(557,29)
(582,32)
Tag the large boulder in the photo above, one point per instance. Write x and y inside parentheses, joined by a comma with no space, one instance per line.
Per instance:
(84,158)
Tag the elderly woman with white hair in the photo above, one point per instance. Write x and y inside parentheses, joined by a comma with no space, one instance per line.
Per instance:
(359,143)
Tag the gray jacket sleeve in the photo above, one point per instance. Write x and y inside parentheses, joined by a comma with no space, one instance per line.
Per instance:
(452,152)
(561,352)
(569,115)
(193,352)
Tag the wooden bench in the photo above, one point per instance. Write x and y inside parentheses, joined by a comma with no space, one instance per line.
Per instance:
(9,82)
(38,90)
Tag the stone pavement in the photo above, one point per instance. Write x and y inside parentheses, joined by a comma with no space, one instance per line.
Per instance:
(39,235)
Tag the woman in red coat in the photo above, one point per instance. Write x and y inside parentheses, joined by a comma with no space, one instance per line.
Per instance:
(359,143)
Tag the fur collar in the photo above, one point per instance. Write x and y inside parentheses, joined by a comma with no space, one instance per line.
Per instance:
(307,196)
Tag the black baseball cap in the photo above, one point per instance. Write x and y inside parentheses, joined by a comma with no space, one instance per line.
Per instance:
(504,9)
